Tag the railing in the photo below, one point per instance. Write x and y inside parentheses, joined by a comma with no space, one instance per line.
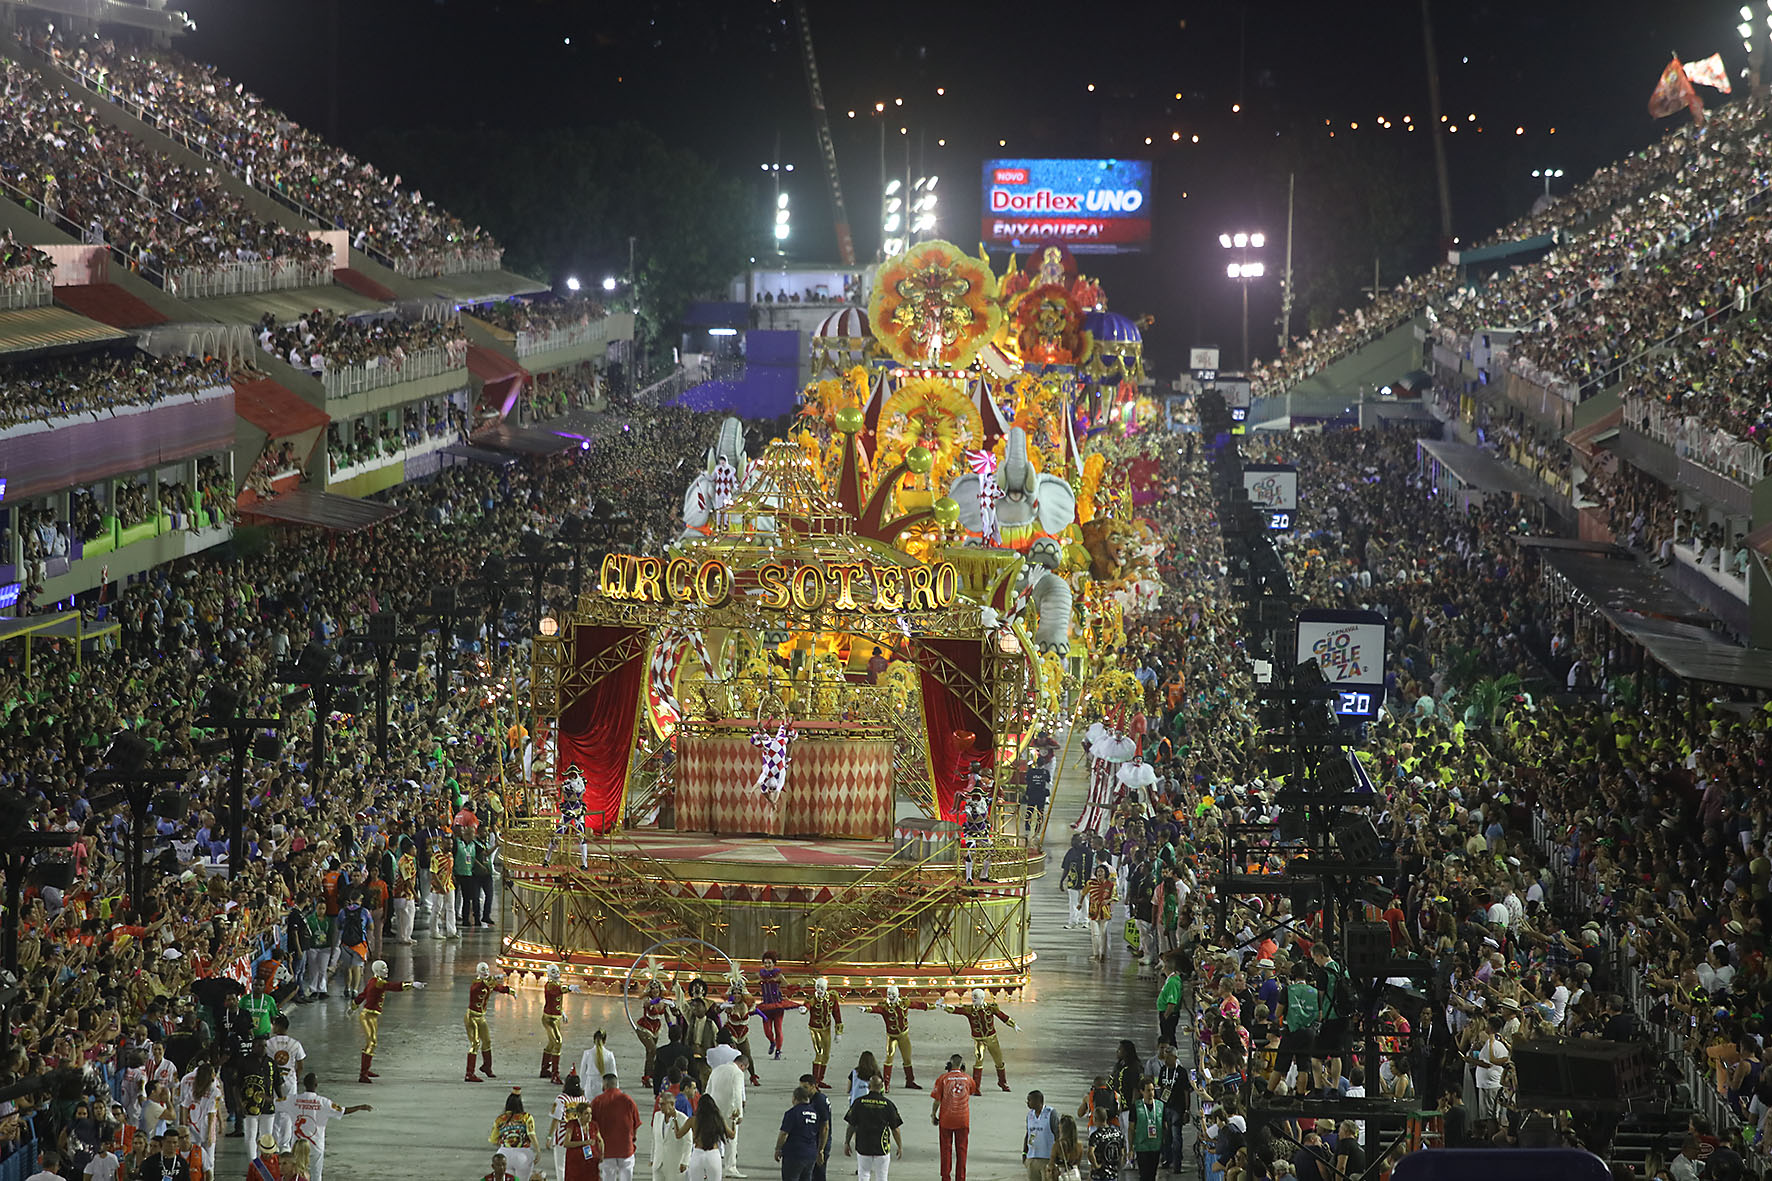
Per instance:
(1692,439)
(421,264)
(424,264)
(566,336)
(382,372)
(80,233)
(247,278)
(28,290)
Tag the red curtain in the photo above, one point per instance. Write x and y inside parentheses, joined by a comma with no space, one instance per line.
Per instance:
(944,712)
(597,730)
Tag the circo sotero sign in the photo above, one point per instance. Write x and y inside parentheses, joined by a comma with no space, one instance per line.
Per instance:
(811,586)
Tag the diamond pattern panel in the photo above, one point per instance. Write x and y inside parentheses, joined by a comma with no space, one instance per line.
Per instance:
(836,787)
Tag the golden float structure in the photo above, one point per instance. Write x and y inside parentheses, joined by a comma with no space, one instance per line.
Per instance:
(665,688)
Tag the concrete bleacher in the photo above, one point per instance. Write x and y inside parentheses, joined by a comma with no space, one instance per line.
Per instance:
(98,304)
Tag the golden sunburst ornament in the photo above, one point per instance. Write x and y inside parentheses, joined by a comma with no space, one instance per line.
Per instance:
(935,306)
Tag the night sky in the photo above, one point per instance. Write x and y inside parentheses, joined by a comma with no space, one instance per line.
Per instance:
(726,79)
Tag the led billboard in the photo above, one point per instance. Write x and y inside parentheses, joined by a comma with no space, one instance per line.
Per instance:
(1092,206)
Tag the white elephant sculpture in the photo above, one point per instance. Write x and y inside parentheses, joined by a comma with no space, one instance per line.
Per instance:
(1028,504)
(712,489)
(1049,595)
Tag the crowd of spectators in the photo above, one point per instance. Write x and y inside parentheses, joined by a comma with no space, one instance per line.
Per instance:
(81,171)
(22,262)
(557,392)
(539,316)
(1579,862)
(375,437)
(126,984)
(264,147)
(321,340)
(1658,247)
(93,383)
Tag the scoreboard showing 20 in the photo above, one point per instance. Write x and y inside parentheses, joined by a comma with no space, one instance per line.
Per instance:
(1349,646)
(1273,490)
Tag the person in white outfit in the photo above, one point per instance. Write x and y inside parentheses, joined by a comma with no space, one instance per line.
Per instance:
(726,1087)
(599,1060)
(312,1112)
(670,1124)
(706,1135)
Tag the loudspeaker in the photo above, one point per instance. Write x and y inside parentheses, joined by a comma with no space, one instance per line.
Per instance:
(1367,951)
(1355,837)
(406,660)
(383,627)
(1557,1071)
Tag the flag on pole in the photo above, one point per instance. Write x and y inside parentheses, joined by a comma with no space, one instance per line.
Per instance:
(1673,92)
(1709,72)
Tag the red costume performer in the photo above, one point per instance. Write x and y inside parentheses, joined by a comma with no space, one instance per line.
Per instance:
(897,1015)
(982,1015)
(369,1003)
(479,1033)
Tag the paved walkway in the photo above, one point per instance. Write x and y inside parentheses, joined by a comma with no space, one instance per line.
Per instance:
(429,1123)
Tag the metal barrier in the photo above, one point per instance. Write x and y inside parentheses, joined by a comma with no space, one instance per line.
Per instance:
(20,1163)
(247,278)
(1568,888)
(386,371)
(26,290)
(1691,438)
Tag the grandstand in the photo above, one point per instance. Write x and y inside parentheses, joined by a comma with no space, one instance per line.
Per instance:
(205,307)
(1608,346)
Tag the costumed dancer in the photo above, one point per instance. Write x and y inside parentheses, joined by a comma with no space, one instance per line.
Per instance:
(824,1016)
(479,1033)
(975,827)
(552,1017)
(570,826)
(736,1020)
(655,1010)
(897,1015)
(982,1015)
(368,1004)
(770,982)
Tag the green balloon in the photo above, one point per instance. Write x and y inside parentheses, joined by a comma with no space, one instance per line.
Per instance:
(918,461)
(947,512)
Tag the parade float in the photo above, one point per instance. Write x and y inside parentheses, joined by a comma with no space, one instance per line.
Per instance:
(797,729)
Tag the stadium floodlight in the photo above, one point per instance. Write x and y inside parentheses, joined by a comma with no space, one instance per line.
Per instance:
(1234,270)
(1258,240)
(609,282)
(572,283)
(1239,239)
(1224,240)
(781,202)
